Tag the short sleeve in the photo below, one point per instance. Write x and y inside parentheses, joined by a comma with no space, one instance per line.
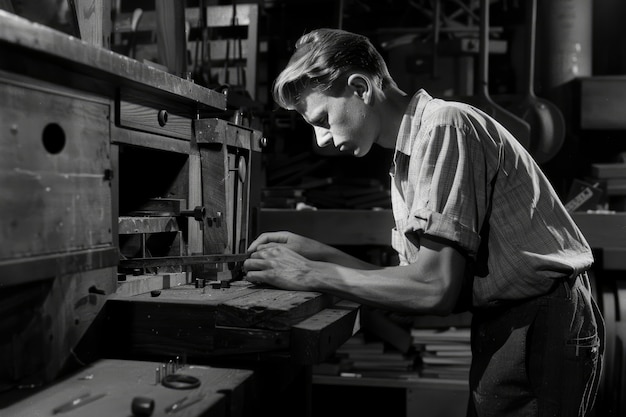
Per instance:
(451,197)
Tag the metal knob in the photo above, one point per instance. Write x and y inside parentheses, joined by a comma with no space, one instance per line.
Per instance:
(162,117)
(198,213)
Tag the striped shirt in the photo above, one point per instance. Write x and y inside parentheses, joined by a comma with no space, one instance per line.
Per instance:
(447,157)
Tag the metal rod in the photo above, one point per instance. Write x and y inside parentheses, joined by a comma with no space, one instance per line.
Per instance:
(182,260)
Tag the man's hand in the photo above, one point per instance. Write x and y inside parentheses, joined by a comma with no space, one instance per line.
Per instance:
(301,245)
(280,266)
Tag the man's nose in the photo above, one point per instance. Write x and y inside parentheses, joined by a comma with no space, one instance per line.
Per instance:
(323,136)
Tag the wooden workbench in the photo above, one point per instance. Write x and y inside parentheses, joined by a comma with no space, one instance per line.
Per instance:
(204,323)
(276,334)
(89,137)
(114,384)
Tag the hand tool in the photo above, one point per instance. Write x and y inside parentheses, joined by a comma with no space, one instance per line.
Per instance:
(182,403)
(182,260)
(77,402)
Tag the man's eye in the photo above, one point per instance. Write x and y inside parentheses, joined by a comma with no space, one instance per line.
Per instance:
(322,122)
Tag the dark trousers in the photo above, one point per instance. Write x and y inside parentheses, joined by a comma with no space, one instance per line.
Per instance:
(538,358)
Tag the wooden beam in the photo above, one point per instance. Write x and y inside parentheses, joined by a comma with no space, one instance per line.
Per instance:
(171,38)
(317,337)
(94,21)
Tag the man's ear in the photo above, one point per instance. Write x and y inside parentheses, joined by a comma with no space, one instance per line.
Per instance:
(361,85)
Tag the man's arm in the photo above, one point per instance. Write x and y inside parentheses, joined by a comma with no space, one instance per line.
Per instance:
(309,248)
(431,285)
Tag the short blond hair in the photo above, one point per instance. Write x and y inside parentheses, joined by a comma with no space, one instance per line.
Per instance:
(322,56)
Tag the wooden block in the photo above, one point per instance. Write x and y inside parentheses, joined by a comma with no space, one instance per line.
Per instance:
(317,337)
(221,392)
(270,308)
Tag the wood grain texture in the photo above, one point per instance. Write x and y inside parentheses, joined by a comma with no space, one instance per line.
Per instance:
(146,119)
(214,173)
(212,130)
(94,21)
(316,338)
(53,173)
(79,65)
(272,309)
(242,319)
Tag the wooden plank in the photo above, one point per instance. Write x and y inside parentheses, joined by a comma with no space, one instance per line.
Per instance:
(48,170)
(217,16)
(40,52)
(194,239)
(212,130)
(151,120)
(246,305)
(170,33)
(94,22)
(349,227)
(34,268)
(316,338)
(221,391)
(270,308)
(214,173)
(148,140)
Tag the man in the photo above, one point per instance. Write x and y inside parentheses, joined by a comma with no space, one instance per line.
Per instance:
(477,225)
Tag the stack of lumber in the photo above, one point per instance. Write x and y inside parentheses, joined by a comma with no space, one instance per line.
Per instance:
(361,356)
(445,353)
(613,175)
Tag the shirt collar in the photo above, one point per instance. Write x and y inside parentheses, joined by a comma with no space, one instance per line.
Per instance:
(411,121)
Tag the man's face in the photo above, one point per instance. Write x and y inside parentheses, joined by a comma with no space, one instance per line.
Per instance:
(344,120)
